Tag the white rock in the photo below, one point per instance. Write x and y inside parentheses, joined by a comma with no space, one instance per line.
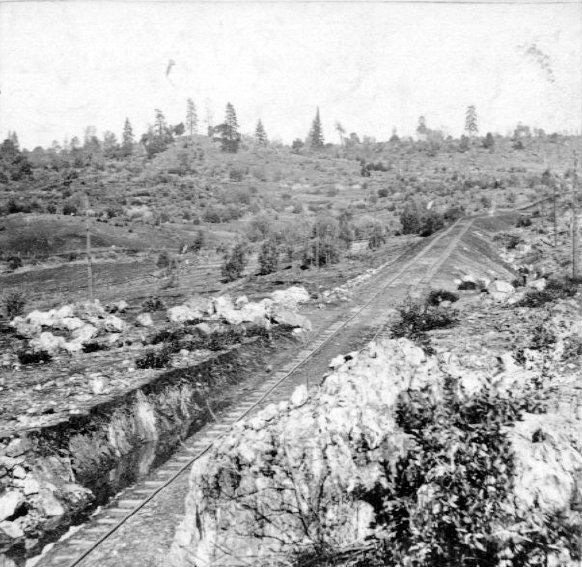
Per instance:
(539,284)
(183,313)
(290,298)
(84,333)
(47,342)
(9,503)
(30,486)
(12,530)
(502,286)
(113,324)
(98,385)
(144,320)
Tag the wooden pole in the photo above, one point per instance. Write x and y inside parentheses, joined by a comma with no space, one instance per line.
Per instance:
(574,241)
(555,220)
(89,259)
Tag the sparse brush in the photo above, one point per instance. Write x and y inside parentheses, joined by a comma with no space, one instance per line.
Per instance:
(155,358)
(416,319)
(152,304)
(13,304)
(555,290)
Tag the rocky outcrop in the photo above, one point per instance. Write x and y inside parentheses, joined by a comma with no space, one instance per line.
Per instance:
(291,478)
(288,478)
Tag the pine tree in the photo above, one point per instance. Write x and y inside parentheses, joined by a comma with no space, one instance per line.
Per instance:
(127,139)
(260,134)
(421,129)
(341,131)
(191,119)
(229,135)
(316,132)
(471,121)
(160,126)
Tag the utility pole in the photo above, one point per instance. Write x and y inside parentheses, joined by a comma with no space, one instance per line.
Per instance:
(575,222)
(89,259)
(555,220)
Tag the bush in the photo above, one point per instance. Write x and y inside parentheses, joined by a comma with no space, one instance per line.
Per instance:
(69,209)
(268,257)
(234,263)
(555,290)
(523,222)
(33,357)
(377,237)
(14,262)
(431,222)
(155,358)
(383,192)
(437,296)
(14,303)
(51,209)
(415,319)
(152,304)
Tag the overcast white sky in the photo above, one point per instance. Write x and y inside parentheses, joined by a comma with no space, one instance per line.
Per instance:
(371,66)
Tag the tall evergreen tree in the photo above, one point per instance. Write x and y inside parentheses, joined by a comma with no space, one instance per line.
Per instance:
(229,135)
(471,121)
(127,139)
(260,134)
(316,132)
(421,129)
(341,131)
(191,119)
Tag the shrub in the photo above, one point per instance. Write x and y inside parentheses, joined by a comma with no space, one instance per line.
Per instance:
(555,290)
(377,237)
(415,319)
(51,209)
(33,357)
(383,192)
(268,257)
(14,303)
(437,296)
(152,304)
(523,222)
(234,263)
(236,174)
(155,358)
(453,213)
(14,262)
(431,222)
(69,209)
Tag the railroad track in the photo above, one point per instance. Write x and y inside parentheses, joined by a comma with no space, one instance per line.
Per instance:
(414,274)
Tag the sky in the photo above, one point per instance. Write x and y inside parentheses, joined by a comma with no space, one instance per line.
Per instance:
(372,66)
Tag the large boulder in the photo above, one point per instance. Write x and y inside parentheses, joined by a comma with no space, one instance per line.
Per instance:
(315,453)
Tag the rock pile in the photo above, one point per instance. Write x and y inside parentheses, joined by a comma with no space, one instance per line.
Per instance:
(68,328)
(281,307)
